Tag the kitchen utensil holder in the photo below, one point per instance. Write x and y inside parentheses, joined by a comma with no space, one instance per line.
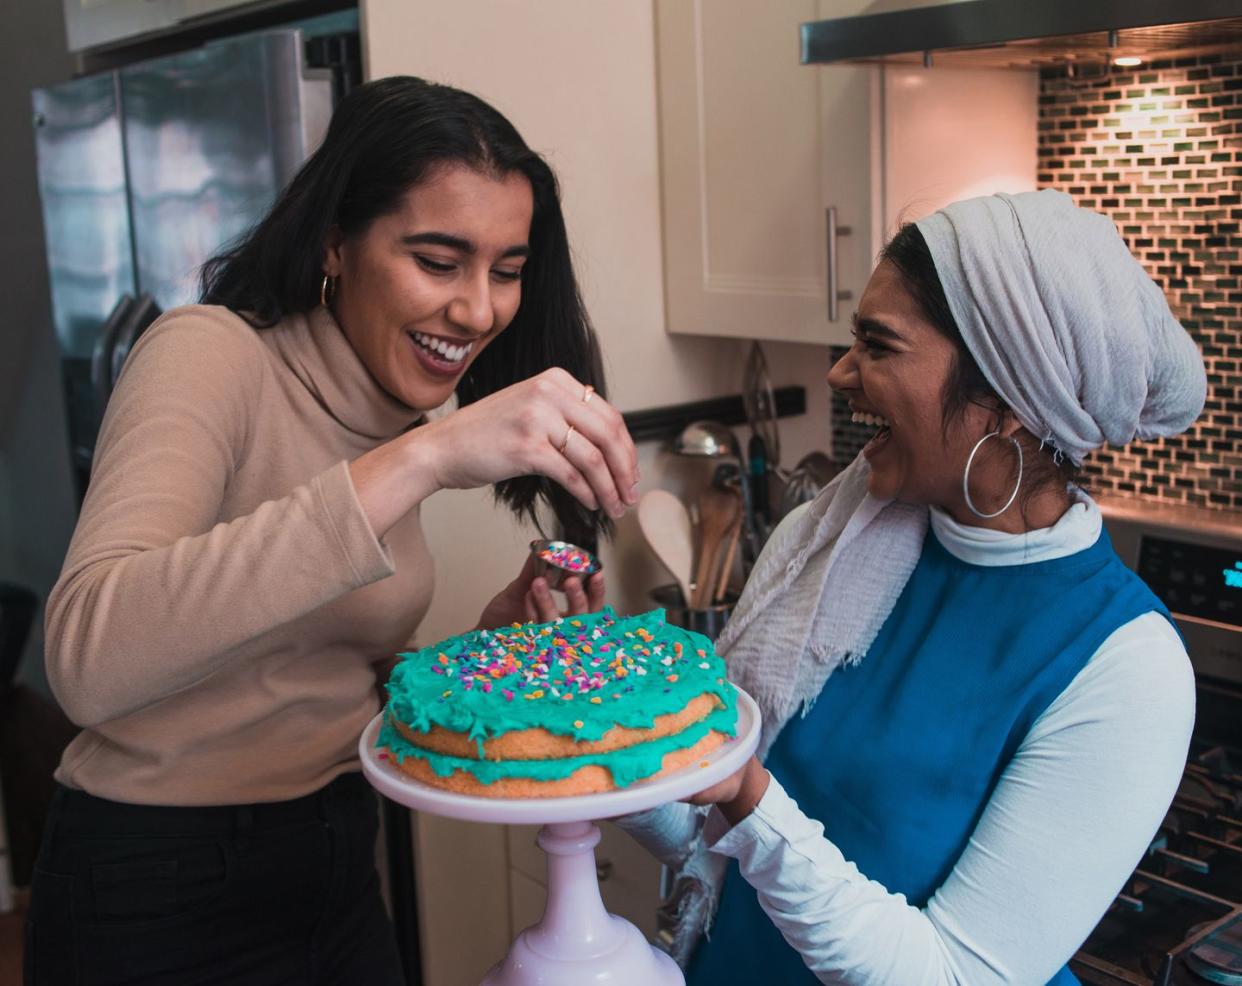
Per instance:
(708,621)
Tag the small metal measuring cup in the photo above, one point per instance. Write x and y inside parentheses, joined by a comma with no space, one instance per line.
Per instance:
(554,560)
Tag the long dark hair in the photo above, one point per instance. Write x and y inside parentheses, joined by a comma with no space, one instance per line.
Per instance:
(965,384)
(384,138)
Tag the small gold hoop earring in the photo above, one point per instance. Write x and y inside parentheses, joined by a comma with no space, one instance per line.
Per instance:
(327,290)
(966,476)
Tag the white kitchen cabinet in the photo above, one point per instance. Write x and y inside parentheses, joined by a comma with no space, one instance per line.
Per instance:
(780,181)
(95,23)
(91,23)
(200,8)
(462,871)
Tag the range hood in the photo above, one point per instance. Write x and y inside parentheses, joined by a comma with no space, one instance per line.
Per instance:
(1028,33)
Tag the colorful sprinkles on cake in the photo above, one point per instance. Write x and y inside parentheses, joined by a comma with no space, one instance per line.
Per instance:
(557,660)
(576,677)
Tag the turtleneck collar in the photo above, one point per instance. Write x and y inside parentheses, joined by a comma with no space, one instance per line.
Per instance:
(1078,529)
(316,350)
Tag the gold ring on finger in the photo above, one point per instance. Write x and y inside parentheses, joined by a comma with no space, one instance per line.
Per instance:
(565,441)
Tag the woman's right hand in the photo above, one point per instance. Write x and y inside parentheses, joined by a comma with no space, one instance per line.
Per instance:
(550,425)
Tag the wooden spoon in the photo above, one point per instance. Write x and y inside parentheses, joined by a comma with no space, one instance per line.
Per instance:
(729,550)
(665,524)
(719,510)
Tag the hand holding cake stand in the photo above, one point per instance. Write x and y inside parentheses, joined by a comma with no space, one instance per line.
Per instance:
(577,942)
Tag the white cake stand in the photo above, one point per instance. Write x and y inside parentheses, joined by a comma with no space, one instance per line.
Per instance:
(576,942)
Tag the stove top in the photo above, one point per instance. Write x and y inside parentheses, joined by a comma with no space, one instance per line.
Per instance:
(1178,920)
(1218,959)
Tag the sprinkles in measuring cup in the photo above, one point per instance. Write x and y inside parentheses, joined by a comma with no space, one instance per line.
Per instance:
(555,559)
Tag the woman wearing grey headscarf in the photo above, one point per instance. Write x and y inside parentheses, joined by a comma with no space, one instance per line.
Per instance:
(995,711)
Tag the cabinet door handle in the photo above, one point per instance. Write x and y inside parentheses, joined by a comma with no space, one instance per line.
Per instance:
(834,293)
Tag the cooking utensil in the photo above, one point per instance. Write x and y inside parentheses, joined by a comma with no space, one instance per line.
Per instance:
(665,524)
(554,560)
(709,621)
(813,472)
(729,476)
(759,400)
(757,476)
(707,439)
(726,567)
(719,510)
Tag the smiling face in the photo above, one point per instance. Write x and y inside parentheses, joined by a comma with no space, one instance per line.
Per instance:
(896,371)
(425,288)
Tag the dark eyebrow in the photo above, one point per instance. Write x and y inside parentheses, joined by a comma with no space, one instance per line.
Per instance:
(459,244)
(871,327)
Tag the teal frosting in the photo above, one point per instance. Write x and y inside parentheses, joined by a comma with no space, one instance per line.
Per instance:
(546,675)
(633,763)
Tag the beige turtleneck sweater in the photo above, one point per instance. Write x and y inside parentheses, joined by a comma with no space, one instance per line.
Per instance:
(224,601)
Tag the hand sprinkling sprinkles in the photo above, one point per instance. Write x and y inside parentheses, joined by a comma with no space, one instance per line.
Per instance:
(479,739)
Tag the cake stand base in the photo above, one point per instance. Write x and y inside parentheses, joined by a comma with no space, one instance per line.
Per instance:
(577,942)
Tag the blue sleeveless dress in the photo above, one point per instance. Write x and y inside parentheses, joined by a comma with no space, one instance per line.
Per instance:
(900,753)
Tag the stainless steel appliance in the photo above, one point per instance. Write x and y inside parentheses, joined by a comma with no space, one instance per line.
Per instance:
(146,172)
(1178,920)
(1010,34)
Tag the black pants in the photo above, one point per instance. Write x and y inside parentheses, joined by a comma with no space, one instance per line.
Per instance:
(250,895)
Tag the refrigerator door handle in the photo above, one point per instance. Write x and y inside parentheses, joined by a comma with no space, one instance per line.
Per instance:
(101,355)
(141,315)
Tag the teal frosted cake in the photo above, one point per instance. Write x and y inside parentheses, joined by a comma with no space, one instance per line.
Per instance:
(580,705)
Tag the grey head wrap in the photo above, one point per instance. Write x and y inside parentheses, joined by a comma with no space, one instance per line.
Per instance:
(1063,321)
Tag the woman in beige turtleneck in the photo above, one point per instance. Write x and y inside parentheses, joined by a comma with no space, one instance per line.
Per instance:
(249,555)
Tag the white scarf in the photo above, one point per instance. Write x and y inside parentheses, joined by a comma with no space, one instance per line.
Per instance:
(819,594)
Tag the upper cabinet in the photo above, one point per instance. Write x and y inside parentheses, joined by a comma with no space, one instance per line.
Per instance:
(756,150)
(781,181)
(95,23)
(92,23)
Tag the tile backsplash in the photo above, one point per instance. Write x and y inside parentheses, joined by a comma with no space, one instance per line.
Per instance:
(1159,149)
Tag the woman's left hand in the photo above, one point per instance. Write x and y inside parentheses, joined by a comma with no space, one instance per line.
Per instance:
(737,795)
(527,599)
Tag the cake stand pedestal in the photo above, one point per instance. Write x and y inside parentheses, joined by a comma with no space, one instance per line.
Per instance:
(576,942)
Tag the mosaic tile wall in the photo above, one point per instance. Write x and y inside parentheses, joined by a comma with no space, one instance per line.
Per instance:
(1159,149)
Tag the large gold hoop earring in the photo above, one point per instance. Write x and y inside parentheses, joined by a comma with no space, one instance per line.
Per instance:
(966,476)
(327,290)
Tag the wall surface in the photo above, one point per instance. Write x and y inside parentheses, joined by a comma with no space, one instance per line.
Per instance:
(1159,150)
(37,506)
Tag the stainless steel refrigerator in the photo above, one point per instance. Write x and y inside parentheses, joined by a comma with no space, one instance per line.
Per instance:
(146,172)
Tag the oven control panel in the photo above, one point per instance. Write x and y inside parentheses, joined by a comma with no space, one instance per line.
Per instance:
(1191,557)
(1193,579)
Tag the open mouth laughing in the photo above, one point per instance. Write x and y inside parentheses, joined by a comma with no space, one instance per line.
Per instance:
(438,355)
(882,435)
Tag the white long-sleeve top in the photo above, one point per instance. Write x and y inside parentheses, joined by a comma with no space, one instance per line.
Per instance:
(1072,815)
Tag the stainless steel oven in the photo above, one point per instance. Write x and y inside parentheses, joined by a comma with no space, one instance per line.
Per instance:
(1178,920)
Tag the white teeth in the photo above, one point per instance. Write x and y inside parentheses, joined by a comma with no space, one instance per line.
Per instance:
(862,418)
(451,353)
